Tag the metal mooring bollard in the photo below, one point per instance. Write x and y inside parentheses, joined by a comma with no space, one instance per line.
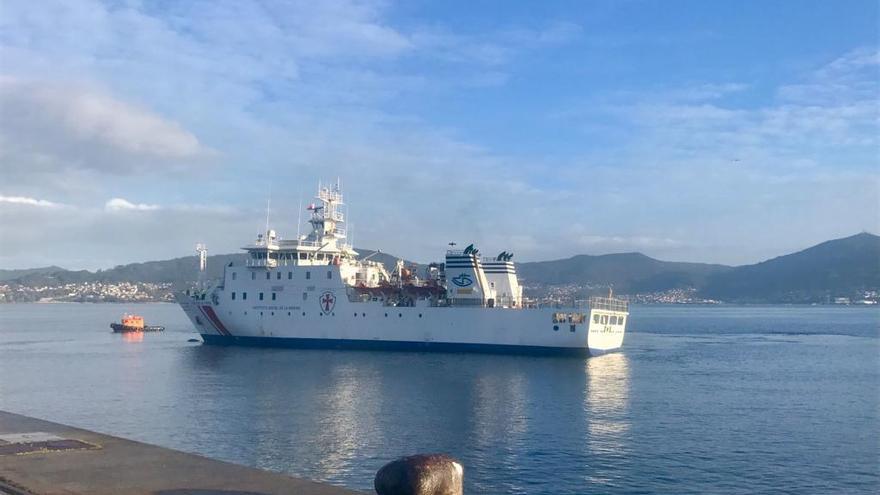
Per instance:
(423,474)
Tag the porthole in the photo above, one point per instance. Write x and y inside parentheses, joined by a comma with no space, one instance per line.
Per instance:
(571,328)
(364,315)
(355,315)
(272,313)
(400,315)
(288,313)
(420,315)
(555,328)
(304,313)
(386,315)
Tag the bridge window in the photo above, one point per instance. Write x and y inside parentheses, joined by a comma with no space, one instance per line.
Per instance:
(279,276)
(329,274)
(620,320)
(273,296)
(614,319)
(253,275)
(261,296)
(289,275)
(233,275)
(604,319)
(320,256)
(233,296)
(268,275)
(305,295)
(303,256)
(244,296)
(596,318)
(308,275)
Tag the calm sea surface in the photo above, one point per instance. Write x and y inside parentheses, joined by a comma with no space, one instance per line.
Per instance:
(702,400)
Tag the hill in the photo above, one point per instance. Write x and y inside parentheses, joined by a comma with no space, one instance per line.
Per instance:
(836,268)
(178,271)
(626,272)
(839,268)
(14,274)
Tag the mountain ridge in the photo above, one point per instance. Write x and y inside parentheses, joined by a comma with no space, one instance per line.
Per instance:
(838,267)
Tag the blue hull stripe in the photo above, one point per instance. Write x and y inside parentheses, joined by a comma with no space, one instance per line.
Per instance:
(395,345)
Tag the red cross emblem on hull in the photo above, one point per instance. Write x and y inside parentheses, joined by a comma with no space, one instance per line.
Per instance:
(327,302)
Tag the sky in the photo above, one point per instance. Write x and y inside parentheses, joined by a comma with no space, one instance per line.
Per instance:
(723,132)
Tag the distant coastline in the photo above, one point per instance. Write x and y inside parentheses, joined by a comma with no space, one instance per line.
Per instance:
(841,271)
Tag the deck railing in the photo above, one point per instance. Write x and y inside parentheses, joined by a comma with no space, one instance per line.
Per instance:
(608,304)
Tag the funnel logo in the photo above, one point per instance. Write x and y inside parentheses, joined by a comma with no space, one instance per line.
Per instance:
(327,302)
(462,280)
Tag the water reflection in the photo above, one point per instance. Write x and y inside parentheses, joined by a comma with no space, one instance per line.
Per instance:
(133,336)
(499,408)
(348,419)
(606,403)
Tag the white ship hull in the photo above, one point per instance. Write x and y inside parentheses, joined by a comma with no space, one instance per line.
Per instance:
(315,292)
(355,325)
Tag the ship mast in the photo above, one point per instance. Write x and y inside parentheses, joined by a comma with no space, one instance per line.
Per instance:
(202,251)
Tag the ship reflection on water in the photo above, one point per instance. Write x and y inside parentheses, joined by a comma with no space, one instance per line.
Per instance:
(606,405)
(337,416)
(133,336)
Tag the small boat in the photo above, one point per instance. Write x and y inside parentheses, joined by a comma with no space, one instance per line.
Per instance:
(134,323)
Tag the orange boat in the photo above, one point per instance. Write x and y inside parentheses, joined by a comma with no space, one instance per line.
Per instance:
(134,323)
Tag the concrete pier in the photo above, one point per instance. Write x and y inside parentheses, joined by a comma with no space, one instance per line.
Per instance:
(40,457)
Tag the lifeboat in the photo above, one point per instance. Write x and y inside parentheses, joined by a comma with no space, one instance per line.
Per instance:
(134,323)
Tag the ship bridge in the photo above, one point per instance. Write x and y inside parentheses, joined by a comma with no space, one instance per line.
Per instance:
(324,245)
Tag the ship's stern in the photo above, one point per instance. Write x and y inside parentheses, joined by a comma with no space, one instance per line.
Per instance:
(608,319)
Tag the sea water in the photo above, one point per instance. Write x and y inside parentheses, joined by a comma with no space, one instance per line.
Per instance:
(711,399)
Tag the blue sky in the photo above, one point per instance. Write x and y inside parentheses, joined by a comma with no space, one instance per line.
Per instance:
(704,131)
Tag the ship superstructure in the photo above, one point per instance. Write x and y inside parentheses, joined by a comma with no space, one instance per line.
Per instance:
(315,291)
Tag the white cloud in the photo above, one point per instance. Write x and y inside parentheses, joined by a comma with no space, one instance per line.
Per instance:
(119,204)
(54,126)
(23,200)
(115,99)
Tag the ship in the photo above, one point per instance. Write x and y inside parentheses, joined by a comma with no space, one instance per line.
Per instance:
(134,323)
(316,292)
